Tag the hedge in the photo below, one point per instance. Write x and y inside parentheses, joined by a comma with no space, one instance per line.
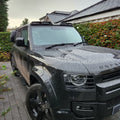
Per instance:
(105,34)
(3,15)
(5,46)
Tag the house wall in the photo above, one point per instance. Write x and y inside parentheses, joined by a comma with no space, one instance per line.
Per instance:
(99,17)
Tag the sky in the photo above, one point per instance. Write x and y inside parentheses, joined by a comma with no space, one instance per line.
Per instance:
(35,9)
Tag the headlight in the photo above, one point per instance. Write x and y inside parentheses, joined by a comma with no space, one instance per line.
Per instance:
(77,80)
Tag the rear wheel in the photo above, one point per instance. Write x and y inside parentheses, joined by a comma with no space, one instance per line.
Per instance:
(37,103)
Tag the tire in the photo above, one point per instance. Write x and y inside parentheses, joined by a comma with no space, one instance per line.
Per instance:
(14,68)
(37,103)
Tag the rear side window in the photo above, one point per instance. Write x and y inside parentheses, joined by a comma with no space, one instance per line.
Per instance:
(18,34)
(12,36)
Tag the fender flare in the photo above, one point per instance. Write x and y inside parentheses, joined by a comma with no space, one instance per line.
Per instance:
(43,76)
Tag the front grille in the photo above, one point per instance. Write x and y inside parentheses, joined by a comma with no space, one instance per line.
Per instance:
(90,84)
(112,75)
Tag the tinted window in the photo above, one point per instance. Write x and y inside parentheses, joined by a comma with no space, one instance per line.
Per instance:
(25,35)
(18,34)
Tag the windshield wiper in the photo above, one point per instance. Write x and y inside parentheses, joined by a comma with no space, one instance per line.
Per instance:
(62,44)
(79,43)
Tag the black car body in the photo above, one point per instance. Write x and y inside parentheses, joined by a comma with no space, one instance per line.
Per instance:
(82,82)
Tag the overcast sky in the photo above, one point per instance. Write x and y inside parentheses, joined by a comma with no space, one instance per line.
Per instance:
(35,9)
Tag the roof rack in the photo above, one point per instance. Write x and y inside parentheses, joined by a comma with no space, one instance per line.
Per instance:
(65,24)
(49,23)
(40,23)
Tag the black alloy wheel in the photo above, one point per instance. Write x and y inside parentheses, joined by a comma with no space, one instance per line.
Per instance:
(37,103)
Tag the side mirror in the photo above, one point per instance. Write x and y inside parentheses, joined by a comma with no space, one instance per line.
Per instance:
(19,41)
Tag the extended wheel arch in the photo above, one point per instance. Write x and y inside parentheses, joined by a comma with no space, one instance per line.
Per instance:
(47,86)
(36,79)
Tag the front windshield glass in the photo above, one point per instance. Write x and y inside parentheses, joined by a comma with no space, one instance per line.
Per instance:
(49,35)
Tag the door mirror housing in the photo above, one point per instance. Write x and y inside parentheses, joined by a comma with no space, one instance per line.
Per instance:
(20,41)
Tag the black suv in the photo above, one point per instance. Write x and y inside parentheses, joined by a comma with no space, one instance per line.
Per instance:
(68,79)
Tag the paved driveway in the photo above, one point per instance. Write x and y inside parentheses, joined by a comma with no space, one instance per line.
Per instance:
(16,98)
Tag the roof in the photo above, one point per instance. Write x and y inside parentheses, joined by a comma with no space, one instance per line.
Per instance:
(59,15)
(61,12)
(102,6)
(56,17)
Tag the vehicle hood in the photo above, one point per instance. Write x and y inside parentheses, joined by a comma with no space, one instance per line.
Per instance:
(84,59)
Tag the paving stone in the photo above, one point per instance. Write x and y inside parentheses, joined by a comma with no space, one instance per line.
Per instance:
(14,98)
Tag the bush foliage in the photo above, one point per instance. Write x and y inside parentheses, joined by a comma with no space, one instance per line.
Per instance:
(4,56)
(105,34)
(5,46)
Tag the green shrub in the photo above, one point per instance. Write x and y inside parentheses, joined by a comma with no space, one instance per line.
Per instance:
(4,56)
(106,34)
(5,44)
(3,15)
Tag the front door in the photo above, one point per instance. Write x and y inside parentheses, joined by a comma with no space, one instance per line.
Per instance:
(22,55)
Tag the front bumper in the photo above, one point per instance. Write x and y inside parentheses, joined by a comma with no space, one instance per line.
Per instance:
(89,104)
(88,110)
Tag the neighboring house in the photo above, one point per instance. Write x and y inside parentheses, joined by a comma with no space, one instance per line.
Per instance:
(101,11)
(56,16)
(10,29)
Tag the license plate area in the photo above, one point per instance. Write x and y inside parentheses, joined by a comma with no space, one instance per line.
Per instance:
(116,109)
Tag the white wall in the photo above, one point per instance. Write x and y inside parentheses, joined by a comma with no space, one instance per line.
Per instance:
(99,17)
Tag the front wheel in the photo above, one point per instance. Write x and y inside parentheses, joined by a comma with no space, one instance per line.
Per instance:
(37,103)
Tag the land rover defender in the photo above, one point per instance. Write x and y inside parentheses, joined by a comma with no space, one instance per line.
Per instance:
(67,78)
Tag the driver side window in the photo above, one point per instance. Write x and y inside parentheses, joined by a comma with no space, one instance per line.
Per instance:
(25,35)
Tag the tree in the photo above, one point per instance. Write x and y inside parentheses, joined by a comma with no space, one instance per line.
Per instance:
(25,21)
(3,15)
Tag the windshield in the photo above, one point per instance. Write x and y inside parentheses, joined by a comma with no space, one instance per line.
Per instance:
(49,35)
